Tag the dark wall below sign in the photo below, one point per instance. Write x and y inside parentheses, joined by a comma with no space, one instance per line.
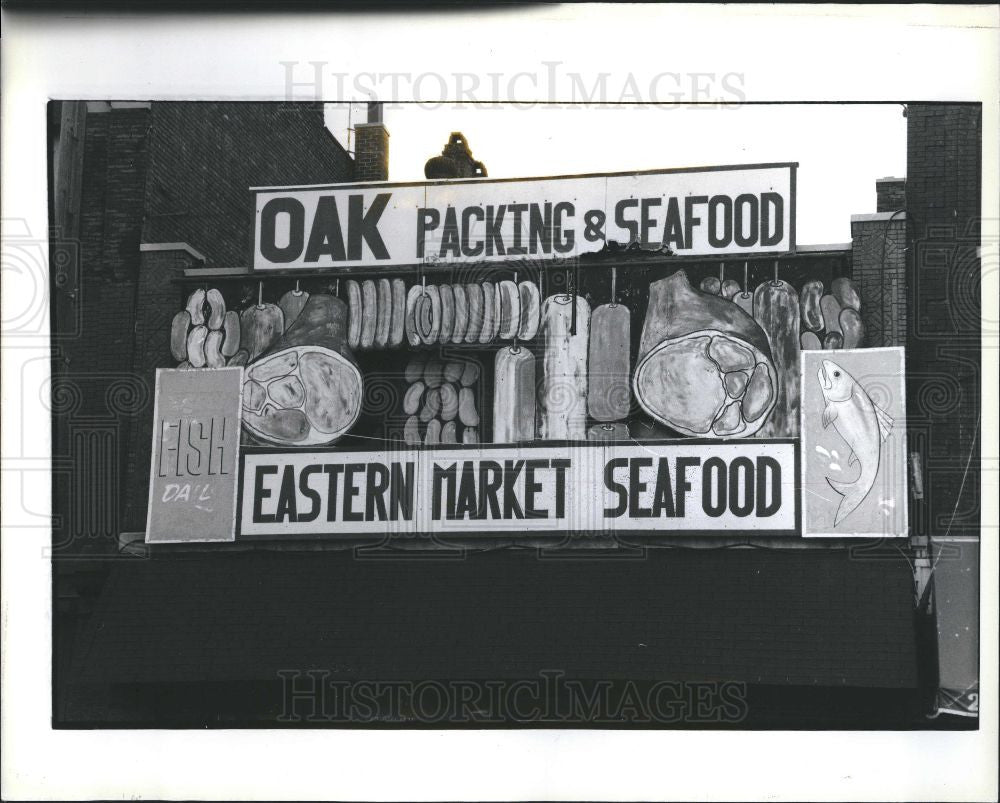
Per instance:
(749,616)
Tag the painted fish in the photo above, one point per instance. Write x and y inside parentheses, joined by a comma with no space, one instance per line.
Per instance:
(861,423)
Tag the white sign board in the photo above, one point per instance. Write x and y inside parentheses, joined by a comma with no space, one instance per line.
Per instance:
(693,212)
(196,444)
(854,443)
(704,487)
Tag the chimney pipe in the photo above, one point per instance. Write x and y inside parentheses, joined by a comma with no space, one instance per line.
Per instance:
(371,147)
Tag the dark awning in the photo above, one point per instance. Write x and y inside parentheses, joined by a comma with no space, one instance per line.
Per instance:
(759,616)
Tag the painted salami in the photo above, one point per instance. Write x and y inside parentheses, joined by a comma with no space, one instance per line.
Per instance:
(213,349)
(609,396)
(433,373)
(711,285)
(563,401)
(810,342)
(474,295)
(260,326)
(216,309)
(410,324)
(852,328)
(831,312)
(356,313)
(449,401)
(745,302)
(239,358)
(447,313)
(427,315)
(411,431)
(809,302)
(432,435)
(730,287)
(514,395)
(833,341)
(231,334)
(369,313)
(396,325)
(449,432)
(196,307)
(467,412)
(432,405)
(531,303)
(383,316)
(412,398)
(510,310)
(776,310)
(461,314)
(490,314)
(178,335)
(470,373)
(846,292)
(291,304)
(414,370)
(196,346)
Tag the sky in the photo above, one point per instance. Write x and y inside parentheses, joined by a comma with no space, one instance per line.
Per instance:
(841,149)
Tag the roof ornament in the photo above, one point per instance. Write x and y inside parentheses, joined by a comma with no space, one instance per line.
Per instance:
(455,161)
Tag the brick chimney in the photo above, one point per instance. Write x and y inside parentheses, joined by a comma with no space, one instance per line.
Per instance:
(371,147)
(891,194)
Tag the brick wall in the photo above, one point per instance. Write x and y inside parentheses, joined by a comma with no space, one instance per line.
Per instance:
(879,267)
(169,172)
(371,152)
(94,392)
(161,299)
(943,188)
(206,156)
(890,194)
(114,180)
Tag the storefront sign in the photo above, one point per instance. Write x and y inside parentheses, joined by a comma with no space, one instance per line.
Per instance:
(703,211)
(684,487)
(196,438)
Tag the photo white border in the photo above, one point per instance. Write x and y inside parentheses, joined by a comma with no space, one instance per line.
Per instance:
(822,52)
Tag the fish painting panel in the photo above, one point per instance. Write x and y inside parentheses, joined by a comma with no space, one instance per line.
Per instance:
(853,429)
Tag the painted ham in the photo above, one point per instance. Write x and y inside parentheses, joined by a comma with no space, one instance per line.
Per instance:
(705,367)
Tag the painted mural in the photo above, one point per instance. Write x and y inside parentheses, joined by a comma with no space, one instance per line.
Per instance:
(499,361)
